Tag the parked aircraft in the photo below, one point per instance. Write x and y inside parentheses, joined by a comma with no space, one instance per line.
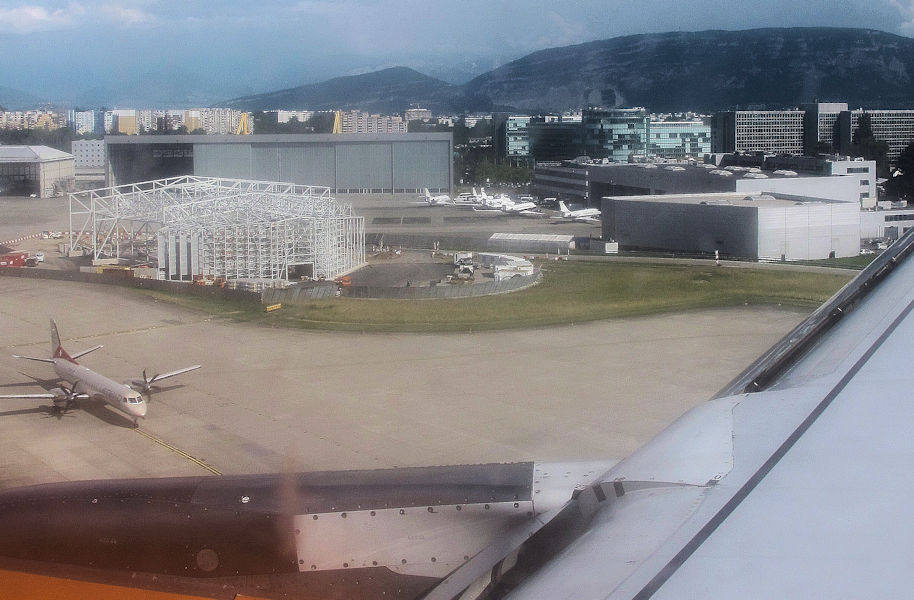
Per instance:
(793,482)
(583,215)
(521,208)
(439,200)
(504,204)
(86,383)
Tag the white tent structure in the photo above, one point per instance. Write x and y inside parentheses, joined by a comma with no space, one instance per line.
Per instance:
(232,228)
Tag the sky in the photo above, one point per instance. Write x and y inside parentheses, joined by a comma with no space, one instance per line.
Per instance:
(201,51)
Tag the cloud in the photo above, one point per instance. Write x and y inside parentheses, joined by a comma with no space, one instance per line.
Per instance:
(127,15)
(29,18)
(905,9)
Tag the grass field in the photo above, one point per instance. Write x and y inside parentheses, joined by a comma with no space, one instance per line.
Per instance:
(569,293)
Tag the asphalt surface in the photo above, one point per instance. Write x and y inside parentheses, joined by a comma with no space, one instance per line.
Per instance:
(269,400)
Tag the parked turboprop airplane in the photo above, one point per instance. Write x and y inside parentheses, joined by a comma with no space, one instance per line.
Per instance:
(583,215)
(86,383)
(792,482)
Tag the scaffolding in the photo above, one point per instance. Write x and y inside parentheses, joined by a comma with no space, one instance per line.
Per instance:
(232,228)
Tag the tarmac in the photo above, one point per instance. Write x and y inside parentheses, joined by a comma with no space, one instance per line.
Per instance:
(269,400)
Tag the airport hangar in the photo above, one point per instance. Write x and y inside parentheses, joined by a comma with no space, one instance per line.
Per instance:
(752,226)
(344,163)
(38,170)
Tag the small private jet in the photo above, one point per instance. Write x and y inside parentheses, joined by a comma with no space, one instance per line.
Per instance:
(582,215)
(85,383)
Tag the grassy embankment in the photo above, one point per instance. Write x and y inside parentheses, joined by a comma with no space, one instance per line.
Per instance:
(569,293)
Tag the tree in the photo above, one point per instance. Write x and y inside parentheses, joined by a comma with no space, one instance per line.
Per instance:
(901,184)
(866,145)
(321,122)
(264,122)
(823,147)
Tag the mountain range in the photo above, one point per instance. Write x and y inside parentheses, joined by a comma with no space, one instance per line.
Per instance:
(702,71)
(664,72)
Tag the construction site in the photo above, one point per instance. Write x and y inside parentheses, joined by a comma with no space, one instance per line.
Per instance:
(205,228)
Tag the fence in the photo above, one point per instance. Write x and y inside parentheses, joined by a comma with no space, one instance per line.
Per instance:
(116,278)
(445,290)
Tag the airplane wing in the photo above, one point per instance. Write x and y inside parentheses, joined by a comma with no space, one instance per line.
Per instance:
(178,372)
(792,482)
(145,384)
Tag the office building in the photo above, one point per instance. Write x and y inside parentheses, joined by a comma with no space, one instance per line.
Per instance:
(894,127)
(357,121)
(517,139)
(417,114)
(678,139)
(770,131)
(837,180)
(616,134)
(555,141)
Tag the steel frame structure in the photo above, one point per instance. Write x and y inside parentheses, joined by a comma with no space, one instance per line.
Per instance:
(234,228)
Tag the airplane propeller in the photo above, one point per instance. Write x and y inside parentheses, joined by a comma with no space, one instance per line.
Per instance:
(69,396)
(147,384)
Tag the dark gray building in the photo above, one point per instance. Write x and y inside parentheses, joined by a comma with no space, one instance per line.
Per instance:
(587,183)
(346,163)
(555,141)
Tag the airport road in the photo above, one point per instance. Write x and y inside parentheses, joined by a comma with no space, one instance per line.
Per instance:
(270,399)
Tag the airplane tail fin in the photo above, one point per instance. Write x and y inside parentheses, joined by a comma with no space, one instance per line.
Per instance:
(55,338)
(563,208)
(57,350)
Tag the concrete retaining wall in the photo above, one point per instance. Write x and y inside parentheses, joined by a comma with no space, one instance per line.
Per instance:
(298,294)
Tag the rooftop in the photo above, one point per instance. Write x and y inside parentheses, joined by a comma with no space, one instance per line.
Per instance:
(766,200)
(31,154)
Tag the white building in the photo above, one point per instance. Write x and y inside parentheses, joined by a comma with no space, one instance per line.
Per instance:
(357,121)
(284,116)
(89,154)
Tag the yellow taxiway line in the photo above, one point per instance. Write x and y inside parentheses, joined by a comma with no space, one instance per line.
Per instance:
(178,451)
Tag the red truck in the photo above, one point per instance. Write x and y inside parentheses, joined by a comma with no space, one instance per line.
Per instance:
(13,259)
